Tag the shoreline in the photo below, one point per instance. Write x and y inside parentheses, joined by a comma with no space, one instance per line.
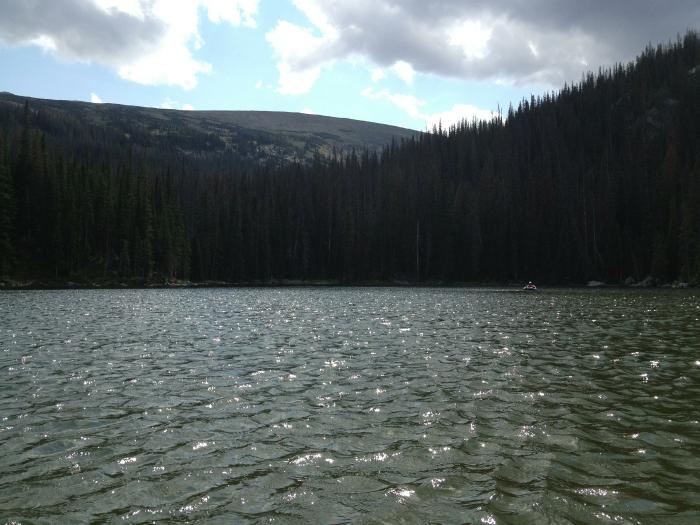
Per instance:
(11,284)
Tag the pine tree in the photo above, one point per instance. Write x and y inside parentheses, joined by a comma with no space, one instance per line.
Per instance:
(7,219)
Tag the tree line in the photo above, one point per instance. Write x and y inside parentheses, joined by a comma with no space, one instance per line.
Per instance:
(599,181)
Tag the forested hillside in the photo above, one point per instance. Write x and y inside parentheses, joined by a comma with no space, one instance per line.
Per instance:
(599,181)
(245,137)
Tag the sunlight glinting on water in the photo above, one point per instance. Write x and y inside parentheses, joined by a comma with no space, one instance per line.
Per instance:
(328,405)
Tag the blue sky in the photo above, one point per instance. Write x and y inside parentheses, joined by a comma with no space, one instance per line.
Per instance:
(408,63)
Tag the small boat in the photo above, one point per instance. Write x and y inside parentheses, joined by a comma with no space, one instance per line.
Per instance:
(530,287)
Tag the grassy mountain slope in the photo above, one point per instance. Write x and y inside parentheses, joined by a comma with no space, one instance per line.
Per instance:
(253,135)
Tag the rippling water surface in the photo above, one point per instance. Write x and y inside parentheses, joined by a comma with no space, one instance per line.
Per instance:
(350,405)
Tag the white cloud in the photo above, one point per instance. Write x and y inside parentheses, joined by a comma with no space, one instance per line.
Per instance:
(171,62)
(46,43)
(538,41)
(533,49)
(293,45)
(308,111)
(318,15)
(235,12)
(472,37)
(412,105)
(296,82)
(95,99)
(404,71)
(188,107)
(149,42)
(408,103)
(378,74)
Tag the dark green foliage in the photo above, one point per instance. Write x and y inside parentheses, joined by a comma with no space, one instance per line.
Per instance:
(600,181)
(7,215)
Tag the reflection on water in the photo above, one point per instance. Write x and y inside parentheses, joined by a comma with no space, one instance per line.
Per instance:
(339,405)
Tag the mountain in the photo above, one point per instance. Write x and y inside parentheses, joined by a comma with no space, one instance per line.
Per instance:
(597,182)
(255,136)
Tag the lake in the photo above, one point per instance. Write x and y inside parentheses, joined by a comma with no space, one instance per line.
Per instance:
(336,405)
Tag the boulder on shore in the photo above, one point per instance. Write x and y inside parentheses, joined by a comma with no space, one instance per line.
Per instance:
(630,281)
(595,284)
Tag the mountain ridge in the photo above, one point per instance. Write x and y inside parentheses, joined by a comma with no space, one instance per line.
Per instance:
(253,135)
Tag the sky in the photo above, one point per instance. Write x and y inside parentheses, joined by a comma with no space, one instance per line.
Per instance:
(410,63)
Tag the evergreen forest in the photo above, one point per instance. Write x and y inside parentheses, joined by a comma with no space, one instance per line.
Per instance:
(599,181)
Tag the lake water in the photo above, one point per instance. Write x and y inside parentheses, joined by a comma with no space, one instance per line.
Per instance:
(350,405)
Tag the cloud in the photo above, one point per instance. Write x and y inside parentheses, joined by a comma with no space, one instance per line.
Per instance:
(539,41)
(295,48)
(412,105)
(308,111)
(95,99)
(296,82)
(378,74)
(149,42)
(471,37)
(235,12)
(404,71)
(188,107)
(408,103)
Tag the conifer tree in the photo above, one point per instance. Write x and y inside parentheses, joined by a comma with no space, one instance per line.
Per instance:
(7,210)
